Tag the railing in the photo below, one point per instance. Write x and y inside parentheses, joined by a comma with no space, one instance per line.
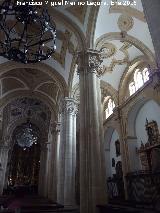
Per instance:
(143,186)
(115,188)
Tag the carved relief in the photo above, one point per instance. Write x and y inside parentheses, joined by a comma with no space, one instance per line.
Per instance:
(90,61)
(69,106)
(125,23)
(107,50)
(114,62)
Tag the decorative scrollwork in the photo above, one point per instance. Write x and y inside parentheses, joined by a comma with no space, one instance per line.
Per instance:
(107,50)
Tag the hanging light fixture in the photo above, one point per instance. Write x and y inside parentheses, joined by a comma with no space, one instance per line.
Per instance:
(27,33)
(26,135)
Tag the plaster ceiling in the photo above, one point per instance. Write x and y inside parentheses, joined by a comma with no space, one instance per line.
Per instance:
(30,80)
(116,19)
(121,52)
(75,30)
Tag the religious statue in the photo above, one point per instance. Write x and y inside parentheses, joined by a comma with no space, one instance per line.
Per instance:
(152,131)
(117,144)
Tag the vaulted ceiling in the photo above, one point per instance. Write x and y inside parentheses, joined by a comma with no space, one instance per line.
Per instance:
(123,36)
(119,32)
(74,25)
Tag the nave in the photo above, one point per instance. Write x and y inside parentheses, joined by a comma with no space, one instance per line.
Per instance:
(82,128)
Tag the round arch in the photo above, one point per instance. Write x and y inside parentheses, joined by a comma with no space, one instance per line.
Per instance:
(29,94)
(126,76)
(108,148)
(132,114)
(9,65)
(18,122)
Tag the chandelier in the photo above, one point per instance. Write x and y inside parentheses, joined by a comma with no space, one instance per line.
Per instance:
(27,34)
(26,135)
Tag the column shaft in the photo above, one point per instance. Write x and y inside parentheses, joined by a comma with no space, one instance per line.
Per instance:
(92,170)
(52,183)
(67,154)
(43,173)
(3,162)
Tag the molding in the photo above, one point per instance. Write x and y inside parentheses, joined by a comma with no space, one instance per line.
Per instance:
(133,12)
(129,39)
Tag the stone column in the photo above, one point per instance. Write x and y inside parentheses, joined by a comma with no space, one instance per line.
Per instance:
(121,125)
(3,164)
(92,170)
(67,154)
(52,182)
(151,10)
(134,160)
(43,173)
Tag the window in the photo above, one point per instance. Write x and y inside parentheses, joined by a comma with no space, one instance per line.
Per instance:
(140,77)
(132,88)
(110,107)
(145,75)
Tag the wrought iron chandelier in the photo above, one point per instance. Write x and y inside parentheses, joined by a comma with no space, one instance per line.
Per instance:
(26,135)
(27,33)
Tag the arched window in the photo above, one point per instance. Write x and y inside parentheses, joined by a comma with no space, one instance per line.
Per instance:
(145,75)
(140,77)
(110,107)
(132,88)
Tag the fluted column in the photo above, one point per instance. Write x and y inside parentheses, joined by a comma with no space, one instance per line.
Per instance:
(92,170)
(67,154)
(151,10)
(52,182)
(3,164)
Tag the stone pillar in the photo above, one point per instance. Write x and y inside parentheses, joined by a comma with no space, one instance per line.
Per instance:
(134,160)
(121,125)
(67,154)
(52,182)
(151,10)
(93,187)
(43,173)
(3,164)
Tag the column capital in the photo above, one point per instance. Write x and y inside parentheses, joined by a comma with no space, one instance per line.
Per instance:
(55,127)
(90,61)
(69,105)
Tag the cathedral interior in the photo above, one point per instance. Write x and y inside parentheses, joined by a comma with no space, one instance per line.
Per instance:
(80,131)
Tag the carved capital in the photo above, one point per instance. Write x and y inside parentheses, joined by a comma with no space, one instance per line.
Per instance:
(90,61)
(55,127)
(69,106)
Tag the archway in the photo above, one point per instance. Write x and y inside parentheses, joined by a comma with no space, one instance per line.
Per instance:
(113,164)
(26,127)
(24,159)
(143,153)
